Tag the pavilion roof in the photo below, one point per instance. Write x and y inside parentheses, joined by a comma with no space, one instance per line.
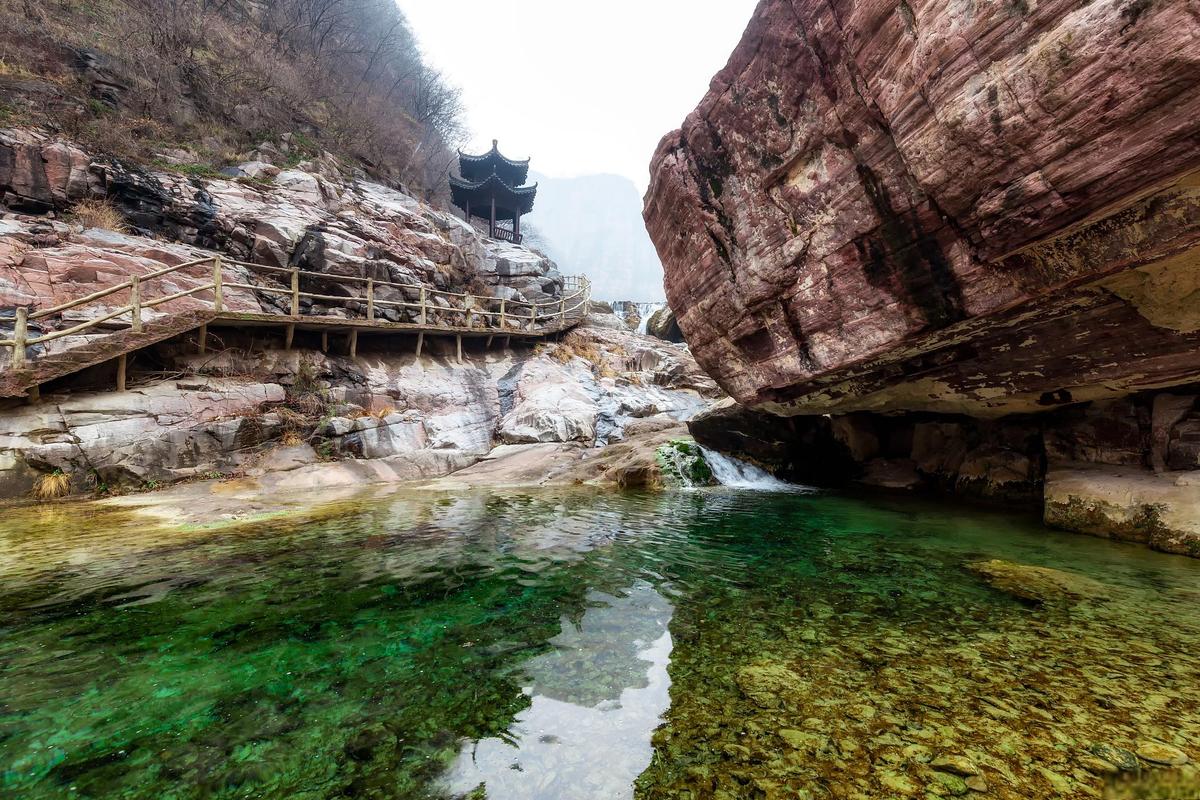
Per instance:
(479,194)
(478,168)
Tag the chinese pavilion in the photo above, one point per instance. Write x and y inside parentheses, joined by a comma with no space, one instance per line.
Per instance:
(491,188)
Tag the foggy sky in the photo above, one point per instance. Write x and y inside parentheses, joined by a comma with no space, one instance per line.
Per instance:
(581,87)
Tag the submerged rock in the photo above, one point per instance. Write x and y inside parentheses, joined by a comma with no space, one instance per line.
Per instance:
(1118,757)
(1040,584)
(766,684)
(949,783)
(958,765)
(1164,754)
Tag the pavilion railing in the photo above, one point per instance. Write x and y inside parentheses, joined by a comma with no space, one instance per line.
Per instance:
(505,235)
(457,312)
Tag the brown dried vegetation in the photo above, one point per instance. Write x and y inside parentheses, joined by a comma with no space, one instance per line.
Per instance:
(134,77)
(99,214)
(52,485)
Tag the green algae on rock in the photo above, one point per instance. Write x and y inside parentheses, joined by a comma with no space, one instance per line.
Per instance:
(682,464)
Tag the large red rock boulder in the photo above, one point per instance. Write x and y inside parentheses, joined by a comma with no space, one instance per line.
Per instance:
(941,205)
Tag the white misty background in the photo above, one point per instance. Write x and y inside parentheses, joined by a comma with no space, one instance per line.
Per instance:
(593,225)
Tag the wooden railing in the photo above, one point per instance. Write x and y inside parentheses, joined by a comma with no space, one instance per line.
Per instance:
(504,234)
(498,315)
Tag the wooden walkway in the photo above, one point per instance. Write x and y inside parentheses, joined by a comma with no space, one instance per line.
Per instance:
(115,333)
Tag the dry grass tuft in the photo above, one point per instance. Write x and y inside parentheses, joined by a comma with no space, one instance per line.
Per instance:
(574,346)
(52,486)
(291,438)
(99,214)
(10,70)
(310,404)
(292,418)
(382,413)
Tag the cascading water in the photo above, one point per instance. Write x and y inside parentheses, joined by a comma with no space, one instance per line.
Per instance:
(737,474)
(648,310)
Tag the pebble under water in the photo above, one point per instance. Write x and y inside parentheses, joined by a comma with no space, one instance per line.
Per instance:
(708,644)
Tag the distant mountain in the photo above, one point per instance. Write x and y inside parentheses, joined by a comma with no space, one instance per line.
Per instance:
(593,225)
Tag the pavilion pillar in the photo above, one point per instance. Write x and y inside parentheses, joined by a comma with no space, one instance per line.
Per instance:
(517,224)
(492,230)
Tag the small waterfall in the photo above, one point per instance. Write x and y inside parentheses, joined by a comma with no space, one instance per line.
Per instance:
(737,474)
(648,310)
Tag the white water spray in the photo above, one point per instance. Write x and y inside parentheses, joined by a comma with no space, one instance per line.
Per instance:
(737,474)
(648,310)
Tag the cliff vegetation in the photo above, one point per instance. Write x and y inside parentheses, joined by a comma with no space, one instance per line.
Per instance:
(140,78)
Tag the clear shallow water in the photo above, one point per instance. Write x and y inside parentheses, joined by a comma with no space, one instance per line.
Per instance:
(579,645)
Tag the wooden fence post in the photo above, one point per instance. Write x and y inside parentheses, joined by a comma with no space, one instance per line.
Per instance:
(135,303)
(533,317)
(218,290)
(295,291)
(562,311)
(20,337)
(503,303)
(370,299)
(122,362)
(353,342)
(423,318)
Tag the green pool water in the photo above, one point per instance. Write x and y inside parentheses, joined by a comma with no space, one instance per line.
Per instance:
(588,645)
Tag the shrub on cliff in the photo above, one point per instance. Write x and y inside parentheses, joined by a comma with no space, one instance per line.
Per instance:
(134,77)
(102,214)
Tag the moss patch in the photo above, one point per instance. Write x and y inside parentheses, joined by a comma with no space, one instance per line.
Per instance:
(682,464)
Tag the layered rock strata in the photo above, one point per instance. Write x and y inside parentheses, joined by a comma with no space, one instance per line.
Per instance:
(967,208)
(970,232)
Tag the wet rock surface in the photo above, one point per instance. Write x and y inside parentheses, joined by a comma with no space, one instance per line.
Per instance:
(1162,510)
(1101,468)
(1039,584)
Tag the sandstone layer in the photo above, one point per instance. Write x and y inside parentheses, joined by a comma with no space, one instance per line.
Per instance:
(961,207)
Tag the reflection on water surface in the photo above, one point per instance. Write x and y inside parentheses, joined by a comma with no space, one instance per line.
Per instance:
(560,645)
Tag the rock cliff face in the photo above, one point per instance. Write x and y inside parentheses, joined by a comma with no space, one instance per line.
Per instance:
(247,407)
(979,208)
(385,415)
(315,214)
(970,233)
